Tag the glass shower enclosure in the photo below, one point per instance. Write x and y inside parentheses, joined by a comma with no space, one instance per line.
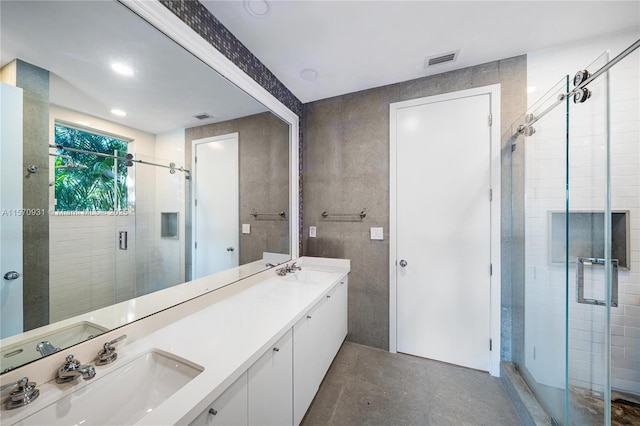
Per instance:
(580,280)
(128,240)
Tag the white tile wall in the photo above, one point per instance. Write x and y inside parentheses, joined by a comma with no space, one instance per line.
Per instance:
(83,253)
(545,191)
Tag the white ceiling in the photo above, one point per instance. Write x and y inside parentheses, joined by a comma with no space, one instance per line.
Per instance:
(356,45)
(78,40)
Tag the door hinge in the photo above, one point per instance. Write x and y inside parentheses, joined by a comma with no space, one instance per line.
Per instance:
(196,202)
(490,119)
(491,269)
(195,245)
(490,194)
(195,159)
(490,345)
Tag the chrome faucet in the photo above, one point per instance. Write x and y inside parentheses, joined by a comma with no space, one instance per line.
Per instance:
(46,348)
(72,369)
(287,269)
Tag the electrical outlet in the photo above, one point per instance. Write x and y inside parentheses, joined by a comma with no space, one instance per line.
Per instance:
(246,228)
(312,232)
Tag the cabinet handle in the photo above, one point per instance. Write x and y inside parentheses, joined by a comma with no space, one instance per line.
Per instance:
(276,349)
(328,296)
(308,316)
(342,282)
(213,411)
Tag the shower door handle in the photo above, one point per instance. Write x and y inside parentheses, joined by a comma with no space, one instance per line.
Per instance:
(580,281)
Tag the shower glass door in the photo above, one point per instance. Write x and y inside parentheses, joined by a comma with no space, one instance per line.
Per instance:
(590,269)
(603,232)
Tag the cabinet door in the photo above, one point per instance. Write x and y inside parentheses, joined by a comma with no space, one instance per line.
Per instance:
(308,358)
(270,386)
(229,409)
(340,313)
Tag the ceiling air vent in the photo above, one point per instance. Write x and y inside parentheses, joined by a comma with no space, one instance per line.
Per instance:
(443,58)
(203,116)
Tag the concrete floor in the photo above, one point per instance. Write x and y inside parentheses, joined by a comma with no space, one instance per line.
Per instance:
(368,386)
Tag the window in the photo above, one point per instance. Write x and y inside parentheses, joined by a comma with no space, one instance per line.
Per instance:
(85,181)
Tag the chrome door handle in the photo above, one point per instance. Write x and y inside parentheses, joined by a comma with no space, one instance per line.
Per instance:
(403,263)
(580,281)
(12,275)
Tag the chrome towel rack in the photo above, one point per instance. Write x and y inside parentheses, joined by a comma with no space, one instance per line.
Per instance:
(281,214)
(344,216)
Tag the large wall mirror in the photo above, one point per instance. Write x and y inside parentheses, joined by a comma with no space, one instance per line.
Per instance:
(129,168)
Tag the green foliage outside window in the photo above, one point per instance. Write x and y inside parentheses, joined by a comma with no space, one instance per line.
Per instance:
(93,184)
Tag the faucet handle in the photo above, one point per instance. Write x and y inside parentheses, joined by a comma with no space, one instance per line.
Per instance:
(108,353)
(71,363)
(23,393)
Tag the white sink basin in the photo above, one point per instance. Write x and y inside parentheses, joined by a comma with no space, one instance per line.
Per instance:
(17,354)
(312,276)
(122,396)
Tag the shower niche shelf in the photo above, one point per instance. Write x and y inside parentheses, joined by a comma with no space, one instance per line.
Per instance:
(586,236)
(169,225)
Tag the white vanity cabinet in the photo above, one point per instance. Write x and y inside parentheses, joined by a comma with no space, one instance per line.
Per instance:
(270,391)
(230,409)
(279,387)
(317,337)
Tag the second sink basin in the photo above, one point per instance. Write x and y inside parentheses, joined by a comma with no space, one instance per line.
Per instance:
(122,396)
(311,276)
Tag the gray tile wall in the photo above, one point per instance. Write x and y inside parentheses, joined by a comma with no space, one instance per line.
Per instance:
(35,83)
(264,179)
(346,169)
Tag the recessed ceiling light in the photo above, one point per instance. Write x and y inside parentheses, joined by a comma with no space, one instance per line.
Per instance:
(309,74)
(257,8)
(121,68)
(118,112)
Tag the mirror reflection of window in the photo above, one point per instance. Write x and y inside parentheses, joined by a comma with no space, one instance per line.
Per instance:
(85,181)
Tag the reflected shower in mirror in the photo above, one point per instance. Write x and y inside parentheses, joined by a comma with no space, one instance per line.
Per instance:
(123,133)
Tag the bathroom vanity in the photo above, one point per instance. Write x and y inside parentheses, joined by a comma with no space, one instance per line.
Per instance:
(252,355)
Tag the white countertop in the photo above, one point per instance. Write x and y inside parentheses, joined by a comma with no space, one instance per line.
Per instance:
(225,338)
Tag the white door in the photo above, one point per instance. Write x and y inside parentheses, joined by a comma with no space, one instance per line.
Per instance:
(215,204)
(443,248)
(11,210)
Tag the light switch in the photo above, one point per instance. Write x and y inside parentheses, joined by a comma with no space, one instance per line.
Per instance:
(377,234)
(246,228)
(312,232)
